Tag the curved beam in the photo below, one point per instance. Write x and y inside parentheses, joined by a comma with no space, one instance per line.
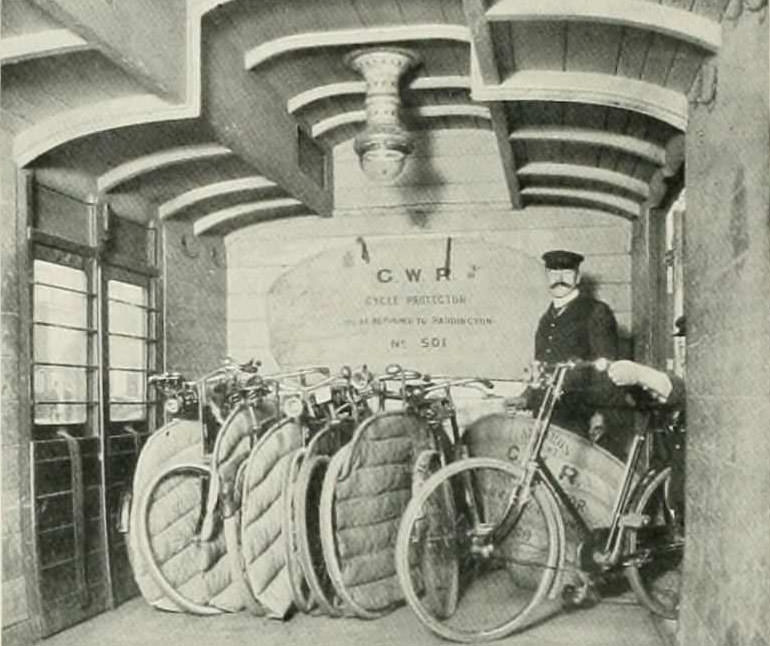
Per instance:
(593,137)
(346,37)
(587,87)
(188,198)
(97,117)
(302,100)
(588,174)
(631,209)
(423,112)
(678,23)
(39,44)
(208,223)
(153,162)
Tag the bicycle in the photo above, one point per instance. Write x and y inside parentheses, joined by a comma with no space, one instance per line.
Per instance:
(368,483)
(494,536)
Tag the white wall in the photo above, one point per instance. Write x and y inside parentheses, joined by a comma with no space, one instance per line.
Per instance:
(454,185)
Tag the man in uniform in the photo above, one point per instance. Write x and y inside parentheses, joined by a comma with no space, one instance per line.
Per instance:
(577,326)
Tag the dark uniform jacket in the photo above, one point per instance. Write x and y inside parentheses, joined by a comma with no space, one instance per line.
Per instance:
(585,329)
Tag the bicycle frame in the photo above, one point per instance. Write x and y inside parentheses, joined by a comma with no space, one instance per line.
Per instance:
(535,466)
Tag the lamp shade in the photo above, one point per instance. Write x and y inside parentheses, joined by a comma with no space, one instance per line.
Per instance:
(383,145)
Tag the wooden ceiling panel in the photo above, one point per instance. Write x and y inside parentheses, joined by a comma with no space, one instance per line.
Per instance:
(22,17)
(660,58)
(420,11)
(233,218)
(169,182)
(580,154)
(66,82)
(582,183)
(592,47)
(453,11)
(226,201)
(684,68)
(298,72)
(713,9)
(251,23)
(633,52)
(443,58)
(539,45)
(570,197)
(530,113)
(378,12)
(502,46)
(626,164)
(98,153)
(521,152)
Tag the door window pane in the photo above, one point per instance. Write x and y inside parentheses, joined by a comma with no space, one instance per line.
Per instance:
(60,392)
(126,352)
(59,345)
(54,305)
(128,315)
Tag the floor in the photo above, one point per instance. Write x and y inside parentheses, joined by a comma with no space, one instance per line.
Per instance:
(611,623)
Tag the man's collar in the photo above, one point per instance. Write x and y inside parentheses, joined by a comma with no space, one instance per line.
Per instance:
(560,303)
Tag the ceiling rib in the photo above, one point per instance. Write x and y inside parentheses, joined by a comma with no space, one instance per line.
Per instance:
(171,207)
(149,163)
(423,112)
(587,173)
(629,208)
(217,220)
(653,100)
(593,136)
(681,24)
(302,100)
(50,42)
(347,37)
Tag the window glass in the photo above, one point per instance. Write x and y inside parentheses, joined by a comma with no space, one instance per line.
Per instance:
(127,319)
(127,345)
(55,344)
(60,391)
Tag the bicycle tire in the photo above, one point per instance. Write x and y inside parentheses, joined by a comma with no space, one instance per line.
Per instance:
(300,590)
(474,606)
(657,584)
(310,555)
(145,540)
(328,539)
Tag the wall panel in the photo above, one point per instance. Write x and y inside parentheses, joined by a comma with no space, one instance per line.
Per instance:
(462,194)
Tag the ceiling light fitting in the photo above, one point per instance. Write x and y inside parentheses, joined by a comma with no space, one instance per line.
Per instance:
(383,145)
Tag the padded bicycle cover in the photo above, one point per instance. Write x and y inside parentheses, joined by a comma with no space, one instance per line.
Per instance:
(264,552)
(371,493)
(197,570)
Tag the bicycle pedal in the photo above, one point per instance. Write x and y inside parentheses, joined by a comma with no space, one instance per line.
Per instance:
(579,596)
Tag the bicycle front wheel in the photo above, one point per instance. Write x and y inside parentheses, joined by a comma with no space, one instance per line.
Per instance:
(461,581)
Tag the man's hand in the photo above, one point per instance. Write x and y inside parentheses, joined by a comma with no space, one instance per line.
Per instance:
(596,427)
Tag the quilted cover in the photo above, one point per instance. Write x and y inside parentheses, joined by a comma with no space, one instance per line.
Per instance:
(173,515)
(262,508)
(372,490)
(192,561)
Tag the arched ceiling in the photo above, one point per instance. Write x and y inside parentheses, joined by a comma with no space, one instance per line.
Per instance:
(222,112)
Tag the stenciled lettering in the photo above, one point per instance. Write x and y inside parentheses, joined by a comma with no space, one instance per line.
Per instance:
(384,275)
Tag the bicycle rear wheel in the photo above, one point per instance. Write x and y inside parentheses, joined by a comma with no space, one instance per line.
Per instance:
(461,584)
(657,549)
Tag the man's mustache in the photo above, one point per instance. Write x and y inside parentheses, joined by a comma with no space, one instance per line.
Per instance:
(560,284)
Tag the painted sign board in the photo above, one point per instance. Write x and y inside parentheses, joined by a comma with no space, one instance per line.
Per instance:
(440,305)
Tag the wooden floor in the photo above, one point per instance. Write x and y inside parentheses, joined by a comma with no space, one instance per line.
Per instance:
(611,623)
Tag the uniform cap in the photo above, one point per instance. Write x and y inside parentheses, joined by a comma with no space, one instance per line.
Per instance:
(562,259)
